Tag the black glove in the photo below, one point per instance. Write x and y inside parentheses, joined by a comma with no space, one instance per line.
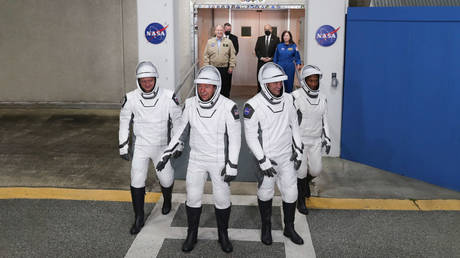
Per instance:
(328,146)
(161,165)
(297,162)
(126,157)
(270,172)
(176,154)
(227,178)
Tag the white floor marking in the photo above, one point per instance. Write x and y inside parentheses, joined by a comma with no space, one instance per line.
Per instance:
(157,228)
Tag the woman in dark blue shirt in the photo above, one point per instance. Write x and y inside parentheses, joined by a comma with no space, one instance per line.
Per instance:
(285,55)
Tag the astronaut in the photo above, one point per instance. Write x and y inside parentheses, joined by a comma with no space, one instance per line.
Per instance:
(272,133)
(314,130)
(154,113)
(213,124)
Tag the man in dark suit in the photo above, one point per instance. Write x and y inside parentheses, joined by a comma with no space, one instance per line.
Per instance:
(265,49)
(234,39)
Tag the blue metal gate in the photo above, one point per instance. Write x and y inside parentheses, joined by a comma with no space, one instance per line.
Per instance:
(401,108)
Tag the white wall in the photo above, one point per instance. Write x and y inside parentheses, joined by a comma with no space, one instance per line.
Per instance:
(328,59)
(162,55)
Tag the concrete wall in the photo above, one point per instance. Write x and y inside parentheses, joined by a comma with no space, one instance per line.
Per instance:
(184,42)
(67,51)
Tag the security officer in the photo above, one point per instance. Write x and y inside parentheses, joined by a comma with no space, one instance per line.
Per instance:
(314,128)
(214,126)
(265,49)
(272,133)
(154,112)
(220,52)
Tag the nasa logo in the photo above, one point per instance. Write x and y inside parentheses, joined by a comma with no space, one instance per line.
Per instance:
(155,33)
(326,35)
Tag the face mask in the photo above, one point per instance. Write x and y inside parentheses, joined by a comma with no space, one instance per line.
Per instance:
(227,33)
(267,32)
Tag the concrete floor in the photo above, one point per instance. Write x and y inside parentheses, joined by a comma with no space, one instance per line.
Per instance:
(77,148)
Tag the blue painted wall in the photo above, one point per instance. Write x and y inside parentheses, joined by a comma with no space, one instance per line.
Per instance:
(401,108)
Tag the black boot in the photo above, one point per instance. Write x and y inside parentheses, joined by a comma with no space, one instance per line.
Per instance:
(289,213)
(193,219)
(137,195)
(222,217)
(302,185)
(167,194)
(265,209)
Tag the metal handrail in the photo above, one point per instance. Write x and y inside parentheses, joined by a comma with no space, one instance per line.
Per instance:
(179,87)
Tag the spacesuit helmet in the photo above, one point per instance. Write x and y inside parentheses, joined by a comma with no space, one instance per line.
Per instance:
(271,72)
(208,75)
(309,70)
(146,69)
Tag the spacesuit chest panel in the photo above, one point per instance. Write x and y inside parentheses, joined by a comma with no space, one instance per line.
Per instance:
(276,131)
(312,115)
(207,129)
(151,120)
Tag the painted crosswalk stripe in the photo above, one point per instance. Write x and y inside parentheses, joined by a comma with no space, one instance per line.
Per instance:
(157,228)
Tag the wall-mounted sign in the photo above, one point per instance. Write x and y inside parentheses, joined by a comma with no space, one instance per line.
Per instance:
(155,33)
(326,35)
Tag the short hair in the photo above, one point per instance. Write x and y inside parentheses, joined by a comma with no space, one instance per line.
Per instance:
(227,24)
(290,37)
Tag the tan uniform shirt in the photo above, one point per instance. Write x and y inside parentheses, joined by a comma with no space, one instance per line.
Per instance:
(222,56)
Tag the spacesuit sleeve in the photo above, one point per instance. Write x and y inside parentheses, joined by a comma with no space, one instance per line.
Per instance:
(294,121)
(326,124)
(231,57)
(125,119)
(251,128)
(233,125)
(175,113)
(297,56)
(182,131)
(205,56)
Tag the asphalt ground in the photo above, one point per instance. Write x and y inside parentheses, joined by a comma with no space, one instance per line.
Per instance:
(69,228)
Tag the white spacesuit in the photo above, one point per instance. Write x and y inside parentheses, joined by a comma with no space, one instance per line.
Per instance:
(154,115)
(214,127)
(314,130)
(272,133)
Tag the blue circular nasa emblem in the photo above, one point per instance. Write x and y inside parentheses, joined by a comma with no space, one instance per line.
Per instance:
(326,35)
(155,33)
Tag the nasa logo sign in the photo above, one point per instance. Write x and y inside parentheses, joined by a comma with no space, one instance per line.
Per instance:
(155,33)
(326,35)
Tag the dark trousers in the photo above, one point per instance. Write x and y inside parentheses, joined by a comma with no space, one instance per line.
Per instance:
(226,81)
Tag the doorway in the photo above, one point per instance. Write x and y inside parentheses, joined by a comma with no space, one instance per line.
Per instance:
(247,25)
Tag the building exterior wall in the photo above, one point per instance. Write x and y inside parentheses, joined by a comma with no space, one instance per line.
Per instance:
(66,51)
